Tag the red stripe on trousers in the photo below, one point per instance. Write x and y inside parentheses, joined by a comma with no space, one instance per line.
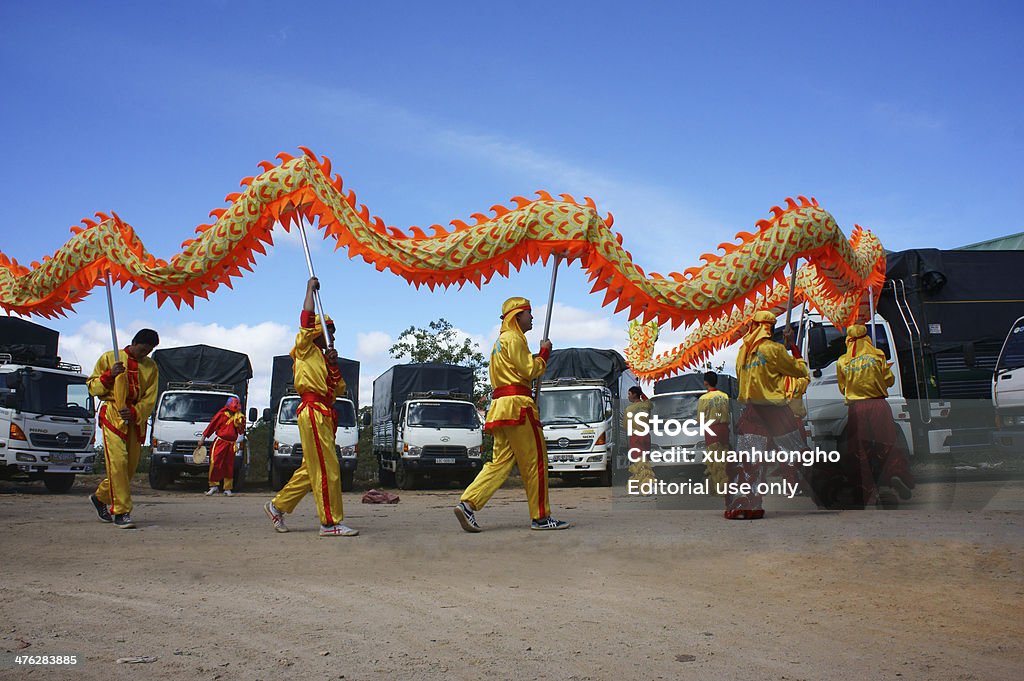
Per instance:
(542,466)
(323,472)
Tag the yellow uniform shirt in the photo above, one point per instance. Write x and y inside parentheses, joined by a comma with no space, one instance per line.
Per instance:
(763,371)
(309,366)
(864,376)
(512,364)
(714,404)
(115,395)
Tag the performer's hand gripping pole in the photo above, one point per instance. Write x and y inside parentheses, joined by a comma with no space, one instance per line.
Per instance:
(110,315)
(316,294)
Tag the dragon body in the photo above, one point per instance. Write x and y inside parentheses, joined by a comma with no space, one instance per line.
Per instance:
(720,294)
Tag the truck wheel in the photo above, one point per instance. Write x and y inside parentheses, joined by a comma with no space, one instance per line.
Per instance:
(58,483)
(158,477)
(605,479)
(404,478)
(238,481)
(277,479)
(347,480)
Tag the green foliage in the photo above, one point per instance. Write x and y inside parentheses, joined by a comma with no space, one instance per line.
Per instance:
(440,342)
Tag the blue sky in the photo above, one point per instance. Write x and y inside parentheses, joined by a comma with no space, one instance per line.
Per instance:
(687,121)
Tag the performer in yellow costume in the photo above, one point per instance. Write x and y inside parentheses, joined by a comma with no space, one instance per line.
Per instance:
(872,435)
(514,422)
(318,381)
(714,405)
(127,389)
(767,422)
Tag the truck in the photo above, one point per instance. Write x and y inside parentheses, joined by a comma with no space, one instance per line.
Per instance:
(581,403)
(47,416)
(285,454)
(676,398)
(941,320)
(195,382)
(425,424)
(1008,392)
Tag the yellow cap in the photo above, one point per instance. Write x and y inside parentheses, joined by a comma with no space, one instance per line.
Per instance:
(516,304)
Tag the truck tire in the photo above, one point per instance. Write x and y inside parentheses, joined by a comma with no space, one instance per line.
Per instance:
(158,477)
(605,479)
(277,479)
(406,479)
(238,481)
(58,483)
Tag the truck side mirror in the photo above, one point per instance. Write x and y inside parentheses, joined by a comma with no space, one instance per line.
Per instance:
(266,414)
(9,399)
(365,419)
(253,414)
(816,373)
(14,380)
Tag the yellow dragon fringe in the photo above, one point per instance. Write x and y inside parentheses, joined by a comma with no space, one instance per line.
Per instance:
(718,294)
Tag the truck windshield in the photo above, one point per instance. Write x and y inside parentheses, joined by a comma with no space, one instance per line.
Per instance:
(1012,356)
(52,394)
(577,406)
(826,344)
(193,407)
(443,415)
(288,413)
(679,407)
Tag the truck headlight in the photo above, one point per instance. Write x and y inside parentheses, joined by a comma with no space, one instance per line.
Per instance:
(475,452)
(412,451)
(349,451)
(595,457)
(26,458)
(162,445)
(284,450)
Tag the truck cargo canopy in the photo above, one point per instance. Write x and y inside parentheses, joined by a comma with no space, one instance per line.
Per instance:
(28,342)
(206,364)
(281,380)
(726,383)
(587,363)
(394,386)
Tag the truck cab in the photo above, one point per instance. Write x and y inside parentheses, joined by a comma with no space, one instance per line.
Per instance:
(287,446)
(47,422)
(679,406)
(438,435)
(182,413)
(580,428)
(1008,392)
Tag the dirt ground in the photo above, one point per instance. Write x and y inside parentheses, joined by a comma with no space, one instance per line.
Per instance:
(206,587)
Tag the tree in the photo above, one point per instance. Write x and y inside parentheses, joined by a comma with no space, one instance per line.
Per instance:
(440,342)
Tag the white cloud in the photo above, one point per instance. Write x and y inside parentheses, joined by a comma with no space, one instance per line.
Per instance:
(372,344)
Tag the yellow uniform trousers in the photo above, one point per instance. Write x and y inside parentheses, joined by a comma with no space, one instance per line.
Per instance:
(522,445)
(320,470)
(121,458)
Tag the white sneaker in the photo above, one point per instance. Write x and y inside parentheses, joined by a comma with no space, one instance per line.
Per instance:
(275,516)
(339,530)
(228,493)
(213,490)
(467,518)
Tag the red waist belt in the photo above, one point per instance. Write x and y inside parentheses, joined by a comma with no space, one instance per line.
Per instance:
(318,403)
(509,390)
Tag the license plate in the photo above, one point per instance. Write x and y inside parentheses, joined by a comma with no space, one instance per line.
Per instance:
(444,460)
(62,457)
(189,459)
(560,458)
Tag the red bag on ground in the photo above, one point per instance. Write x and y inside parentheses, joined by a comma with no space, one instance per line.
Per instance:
(376,496)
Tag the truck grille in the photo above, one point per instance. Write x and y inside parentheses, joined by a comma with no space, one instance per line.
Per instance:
(184,446)
(443,450)
(564,444)
(297,449)
(58,441)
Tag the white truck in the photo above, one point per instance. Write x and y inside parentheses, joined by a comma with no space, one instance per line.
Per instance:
(581,404)
(195,382)
(425,425)
(285,445)
(676,399)
(1008,392)
(47,417)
